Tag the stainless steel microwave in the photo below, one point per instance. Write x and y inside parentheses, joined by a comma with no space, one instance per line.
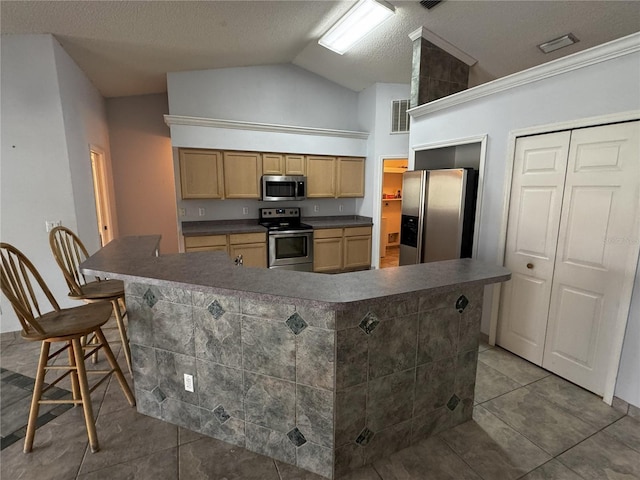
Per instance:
(276,188)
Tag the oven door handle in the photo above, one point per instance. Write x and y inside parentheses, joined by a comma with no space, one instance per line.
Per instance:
(289,232)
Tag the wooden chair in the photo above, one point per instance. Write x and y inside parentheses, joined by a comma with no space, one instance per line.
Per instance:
(70,252)
(25,289)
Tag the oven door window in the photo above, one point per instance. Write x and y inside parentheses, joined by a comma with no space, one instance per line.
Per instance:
(291,247)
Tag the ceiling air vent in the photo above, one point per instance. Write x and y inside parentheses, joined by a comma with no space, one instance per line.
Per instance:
(429,4)
(399,116)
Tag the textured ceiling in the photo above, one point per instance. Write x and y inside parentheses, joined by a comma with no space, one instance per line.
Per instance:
(126,47)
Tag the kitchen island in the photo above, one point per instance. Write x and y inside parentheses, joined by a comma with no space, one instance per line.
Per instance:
(326,372)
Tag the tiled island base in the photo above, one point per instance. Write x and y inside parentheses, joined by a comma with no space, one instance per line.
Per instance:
(328,388)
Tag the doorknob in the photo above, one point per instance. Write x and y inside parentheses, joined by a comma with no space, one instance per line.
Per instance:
(529,266)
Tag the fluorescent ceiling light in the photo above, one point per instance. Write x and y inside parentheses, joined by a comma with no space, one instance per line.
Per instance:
(564,41)
(356,24)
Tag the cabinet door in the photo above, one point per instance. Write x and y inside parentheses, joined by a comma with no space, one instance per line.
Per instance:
(537,186)
(350,177)
(327,254)
(206,243)
(253,254)
(596,256)
(272,164)
(321,177)
(242,172)
(295,165)
(201,174)
(357,248)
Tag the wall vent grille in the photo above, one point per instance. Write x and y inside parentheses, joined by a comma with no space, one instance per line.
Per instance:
(429,4)
(399,116)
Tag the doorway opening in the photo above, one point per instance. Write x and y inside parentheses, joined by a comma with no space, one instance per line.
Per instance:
(101,195)
(393,168)
(464,153)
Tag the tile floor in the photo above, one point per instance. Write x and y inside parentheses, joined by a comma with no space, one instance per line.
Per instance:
(391,257)
(527,424)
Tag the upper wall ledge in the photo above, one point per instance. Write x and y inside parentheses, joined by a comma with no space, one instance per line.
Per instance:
(601,53)
(261,127)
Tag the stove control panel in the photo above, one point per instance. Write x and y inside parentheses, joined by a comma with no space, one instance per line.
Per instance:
(277,213)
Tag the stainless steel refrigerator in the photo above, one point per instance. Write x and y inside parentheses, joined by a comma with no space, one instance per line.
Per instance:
(438,215)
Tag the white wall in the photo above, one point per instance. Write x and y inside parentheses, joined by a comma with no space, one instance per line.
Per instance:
(374,113)
(83,111)
(42,94)
(278,94)
(604,88)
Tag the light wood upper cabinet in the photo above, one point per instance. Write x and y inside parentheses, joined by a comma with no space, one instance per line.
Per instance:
(350,178)
(357,248)
(295,165)
(201,173)
(231,174)
(321,177)
(331,177)
(273,164)
(242,172)
(281,164)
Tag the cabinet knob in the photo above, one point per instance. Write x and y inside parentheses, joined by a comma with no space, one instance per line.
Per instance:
(529,266)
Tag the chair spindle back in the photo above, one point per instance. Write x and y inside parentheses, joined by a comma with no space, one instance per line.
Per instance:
(69,252)
(20,283)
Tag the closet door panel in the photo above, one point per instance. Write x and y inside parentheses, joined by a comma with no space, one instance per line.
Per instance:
(596,253)
(534,216)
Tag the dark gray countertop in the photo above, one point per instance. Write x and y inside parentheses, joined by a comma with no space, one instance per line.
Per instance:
(338,221)
(131,258)
(222,227)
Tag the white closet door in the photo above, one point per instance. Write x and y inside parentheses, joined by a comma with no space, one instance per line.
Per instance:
(532,233)
(597,253)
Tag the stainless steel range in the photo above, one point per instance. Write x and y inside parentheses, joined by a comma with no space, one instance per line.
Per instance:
(290,242)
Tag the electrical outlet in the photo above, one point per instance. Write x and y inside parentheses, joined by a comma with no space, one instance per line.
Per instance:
(50,225)
(340,207)
(188,382)
(182,212)
(201,212)
(245,210)
(316,208)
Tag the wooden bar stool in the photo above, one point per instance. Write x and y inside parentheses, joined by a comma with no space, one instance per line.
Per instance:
(23,286)
(69,253)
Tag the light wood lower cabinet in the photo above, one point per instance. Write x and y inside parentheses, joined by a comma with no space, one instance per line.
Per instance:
(206,243)
(357,248)
(341,249)
(327,250)
(252,246)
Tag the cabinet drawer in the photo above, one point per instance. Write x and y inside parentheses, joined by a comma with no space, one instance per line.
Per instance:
(327,233)
(205,241)
(237,238)
(216,248)
(357,231)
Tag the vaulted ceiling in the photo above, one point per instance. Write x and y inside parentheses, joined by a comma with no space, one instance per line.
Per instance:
(127,47)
